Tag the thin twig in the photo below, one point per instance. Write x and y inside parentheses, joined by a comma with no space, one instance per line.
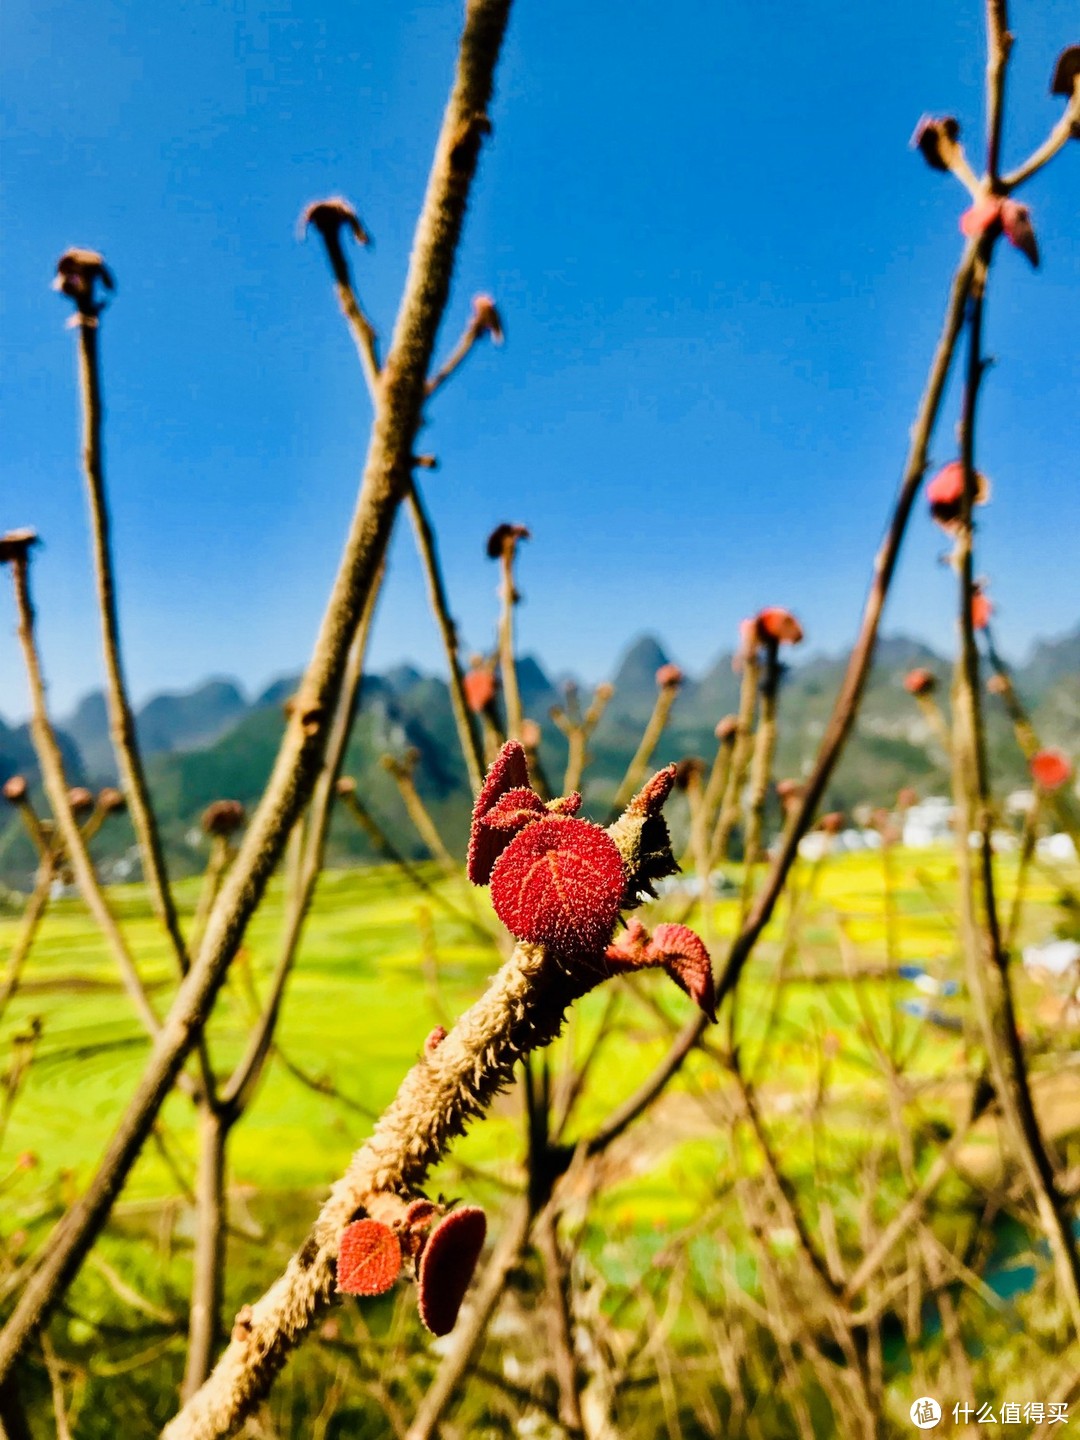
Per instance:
(121,717)
(988,968)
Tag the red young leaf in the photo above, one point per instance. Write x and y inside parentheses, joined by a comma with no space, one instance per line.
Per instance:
(514,810)
(447,1266)
(630,950)
(1019,231)
(560,884)
(650,799)
(418,1219)
(434,1039)
(509,771)
(1050,769)
(369,1258)
(668,675)
(566,804)
(684,957)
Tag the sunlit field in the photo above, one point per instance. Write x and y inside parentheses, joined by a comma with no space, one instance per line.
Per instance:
(379,968)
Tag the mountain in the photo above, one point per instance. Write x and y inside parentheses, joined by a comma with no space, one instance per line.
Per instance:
(1050,661)
(189,720)
(210,743)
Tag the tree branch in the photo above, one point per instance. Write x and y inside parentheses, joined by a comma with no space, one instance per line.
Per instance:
(385,479)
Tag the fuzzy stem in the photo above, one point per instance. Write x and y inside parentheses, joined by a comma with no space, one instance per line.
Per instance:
(121,718)
(522,1009)
(385,480)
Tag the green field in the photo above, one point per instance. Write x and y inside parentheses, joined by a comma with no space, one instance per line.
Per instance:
(379,966)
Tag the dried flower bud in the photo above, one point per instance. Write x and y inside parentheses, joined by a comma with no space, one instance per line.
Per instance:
(504,538)
(369,1258)
(560,883)
(447,1266)
(110,801)
(1050,769)
(604,691)
(779,626)
(80,800)
(223,818)
(833,822)
(945,493)
(15,789)
(669,676)
(530,734)
(1066,73)
(26,1160)
(937,140)
(16,545)
(920,682)
(688,771)
(78,273)
(434,1039)
(486,319)
(997,685)
(906,798)
(328,217)
(789,792)
(345,785)
(727,728)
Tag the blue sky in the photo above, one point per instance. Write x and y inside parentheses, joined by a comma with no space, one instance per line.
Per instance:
(722,273)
